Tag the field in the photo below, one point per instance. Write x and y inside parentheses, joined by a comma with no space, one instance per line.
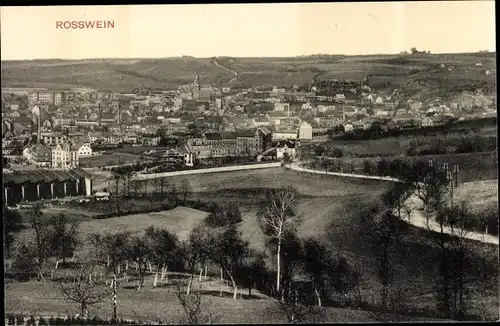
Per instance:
(330,208)
(125,75)
(481,195)
(112,159)
(160,304)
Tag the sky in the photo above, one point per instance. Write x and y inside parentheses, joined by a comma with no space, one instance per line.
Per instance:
(244,30)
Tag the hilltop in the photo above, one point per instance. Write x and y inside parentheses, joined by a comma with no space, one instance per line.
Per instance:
(407,71)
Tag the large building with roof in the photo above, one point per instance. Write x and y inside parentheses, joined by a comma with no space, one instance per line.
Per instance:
(31,186)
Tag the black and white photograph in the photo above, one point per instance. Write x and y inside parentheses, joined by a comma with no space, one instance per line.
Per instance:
(272,163)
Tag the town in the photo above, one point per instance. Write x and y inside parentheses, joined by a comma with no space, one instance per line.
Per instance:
(199,124)
(195,170)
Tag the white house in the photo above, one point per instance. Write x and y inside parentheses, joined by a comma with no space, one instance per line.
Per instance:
(65,156)
(379,100)
(284,135)
(285,147)
(305,131)
(282,107)
(84,149)
(348,127)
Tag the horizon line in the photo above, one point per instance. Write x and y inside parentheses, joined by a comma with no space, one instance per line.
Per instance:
(230,56)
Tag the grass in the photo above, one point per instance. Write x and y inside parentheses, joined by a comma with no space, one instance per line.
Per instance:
(125,75)
(481,195)
(330,208)
(160,304)
(111,159)
(118,75)
(180,220)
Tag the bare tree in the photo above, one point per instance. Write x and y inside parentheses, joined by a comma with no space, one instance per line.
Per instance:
(298,313)
(83,289)
(278,217)
(64,237)
(195,250)
(317,262)
(165,248)
(227,251)
(43,236)
(139,249)
(385,229)
(458,218)
(97,242)
(185,190)
(195,308)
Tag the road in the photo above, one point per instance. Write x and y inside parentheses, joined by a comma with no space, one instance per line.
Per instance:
(227,69)
(415,218)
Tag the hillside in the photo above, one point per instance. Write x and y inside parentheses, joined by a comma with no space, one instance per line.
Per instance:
(408,71)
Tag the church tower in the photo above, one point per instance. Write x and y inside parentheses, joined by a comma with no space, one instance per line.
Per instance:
(196,87)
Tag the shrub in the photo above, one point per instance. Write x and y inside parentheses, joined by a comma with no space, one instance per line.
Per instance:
(31,321)
(19,319)
(11,319)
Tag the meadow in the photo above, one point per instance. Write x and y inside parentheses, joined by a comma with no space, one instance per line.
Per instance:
(161,73)
(331,211)
(112,159)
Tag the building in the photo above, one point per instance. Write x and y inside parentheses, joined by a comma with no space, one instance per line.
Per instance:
(38,154)
(84,149)
(53,138)
(150,140)
(348,127)
(65,156)
(435,121)
(285,134)
(282,107)
(31,186)
(45,97)
(249,142)
(305,131)
(285,147)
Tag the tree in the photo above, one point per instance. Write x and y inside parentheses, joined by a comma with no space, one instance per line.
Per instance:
(97,242)
(395,198)
(12,223)
(343,278)
(84,290)
(317,262)
(458,257)
(115,248)
(253,269)
(227,251)
(64,237)
(292,259)
(224,216)
(165,248)
(195,250)
(43,236)
(385,229)
(185,189)
(195,308)
(431,189)
(277,217)
(298,313)
(139,249)
(24,261)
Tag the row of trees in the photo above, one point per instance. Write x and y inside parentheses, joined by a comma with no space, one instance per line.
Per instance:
(455,258)
(216,243)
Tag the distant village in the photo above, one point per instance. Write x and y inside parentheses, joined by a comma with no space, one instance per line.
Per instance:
(57,128)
